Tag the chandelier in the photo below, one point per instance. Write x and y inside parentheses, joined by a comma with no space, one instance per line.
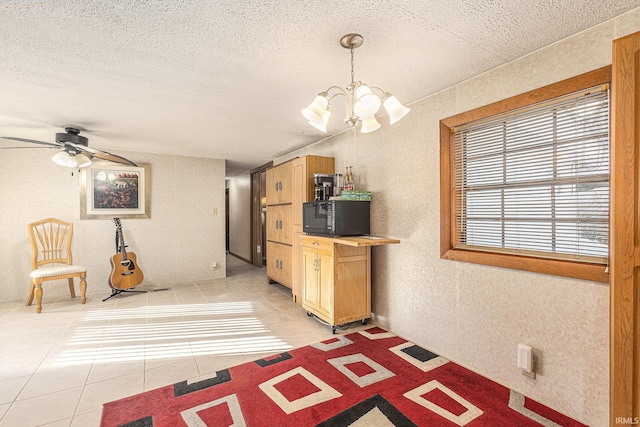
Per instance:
(362,103)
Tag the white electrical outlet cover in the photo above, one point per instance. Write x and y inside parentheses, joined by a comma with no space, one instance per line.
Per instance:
(525,357)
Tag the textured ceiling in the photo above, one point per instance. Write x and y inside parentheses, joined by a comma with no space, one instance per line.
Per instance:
(227,79)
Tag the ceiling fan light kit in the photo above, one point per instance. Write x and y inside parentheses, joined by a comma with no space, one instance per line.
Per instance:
(362,103)
(71,160)
(70,157)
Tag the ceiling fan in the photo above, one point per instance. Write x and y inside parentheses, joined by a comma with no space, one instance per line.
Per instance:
(76,151)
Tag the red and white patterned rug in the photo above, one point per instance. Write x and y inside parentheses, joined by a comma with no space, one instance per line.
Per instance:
(365,379)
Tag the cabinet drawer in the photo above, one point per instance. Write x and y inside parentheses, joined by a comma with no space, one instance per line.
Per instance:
(317,243)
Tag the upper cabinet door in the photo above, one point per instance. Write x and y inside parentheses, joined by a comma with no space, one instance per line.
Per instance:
(279,184)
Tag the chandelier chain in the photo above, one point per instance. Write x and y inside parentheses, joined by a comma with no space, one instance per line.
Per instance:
(352,79)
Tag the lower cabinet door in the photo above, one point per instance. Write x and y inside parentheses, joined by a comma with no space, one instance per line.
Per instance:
(325,285)
(286,265)
(273,261)
(310,291)
(317,284)
(279,263)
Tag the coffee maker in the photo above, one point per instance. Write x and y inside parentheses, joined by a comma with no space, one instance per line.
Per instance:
(323,186)
(327,185)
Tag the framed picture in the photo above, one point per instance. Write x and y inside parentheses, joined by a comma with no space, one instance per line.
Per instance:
(110,190)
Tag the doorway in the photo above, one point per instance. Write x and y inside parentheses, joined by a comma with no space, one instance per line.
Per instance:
(258,215)
(226,219)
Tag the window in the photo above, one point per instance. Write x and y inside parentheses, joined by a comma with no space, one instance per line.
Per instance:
(527,180)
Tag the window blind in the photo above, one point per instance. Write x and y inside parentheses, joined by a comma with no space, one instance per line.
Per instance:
(535,181)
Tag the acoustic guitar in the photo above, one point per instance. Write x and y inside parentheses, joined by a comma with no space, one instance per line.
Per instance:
(125,273)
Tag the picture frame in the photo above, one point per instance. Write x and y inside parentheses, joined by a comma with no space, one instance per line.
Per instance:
(110,190)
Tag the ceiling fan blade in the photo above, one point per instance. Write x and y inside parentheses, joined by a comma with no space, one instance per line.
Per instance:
(102,155)
(33,141)
(23,147)
(113,158)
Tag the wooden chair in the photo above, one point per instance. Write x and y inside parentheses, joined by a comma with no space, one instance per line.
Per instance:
(51,258)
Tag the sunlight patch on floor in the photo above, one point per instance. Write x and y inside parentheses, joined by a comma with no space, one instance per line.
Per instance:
(146,312)
(166,331)
(235,333)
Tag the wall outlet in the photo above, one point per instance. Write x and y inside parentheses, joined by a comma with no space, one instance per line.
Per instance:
(214,266)
(525,357)
(527,360)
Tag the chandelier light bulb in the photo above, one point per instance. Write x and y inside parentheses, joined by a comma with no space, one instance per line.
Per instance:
(316,111)
(325,119)
(395,109)
(369,124)
(366,103)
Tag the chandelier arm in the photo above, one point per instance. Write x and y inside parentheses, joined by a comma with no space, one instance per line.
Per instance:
(341,91)
(350,116)
(382,91)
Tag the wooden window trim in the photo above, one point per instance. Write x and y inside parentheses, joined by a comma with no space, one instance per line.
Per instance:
(573,269)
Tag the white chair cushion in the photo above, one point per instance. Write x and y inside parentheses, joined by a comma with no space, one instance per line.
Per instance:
(56,270)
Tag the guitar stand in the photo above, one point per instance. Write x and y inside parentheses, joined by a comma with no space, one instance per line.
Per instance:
(116,292)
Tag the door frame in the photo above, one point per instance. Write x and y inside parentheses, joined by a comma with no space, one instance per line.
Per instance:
(625,233)
(258,249)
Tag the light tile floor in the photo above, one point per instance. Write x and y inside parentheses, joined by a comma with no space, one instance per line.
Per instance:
(57,368)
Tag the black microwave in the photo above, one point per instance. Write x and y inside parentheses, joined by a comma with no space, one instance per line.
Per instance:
(337,217)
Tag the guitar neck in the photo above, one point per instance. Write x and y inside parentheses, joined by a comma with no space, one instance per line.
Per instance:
(123,249)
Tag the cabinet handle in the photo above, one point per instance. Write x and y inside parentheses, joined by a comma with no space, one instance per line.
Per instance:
(315,243)
(280,224)
(280,264)
(276,186)
(276,224)
(280,185)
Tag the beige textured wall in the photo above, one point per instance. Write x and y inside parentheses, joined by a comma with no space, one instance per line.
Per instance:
(240,215)
(176,245)
(476,315)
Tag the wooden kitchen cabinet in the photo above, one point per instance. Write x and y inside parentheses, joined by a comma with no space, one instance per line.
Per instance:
(289,185)
(336,279)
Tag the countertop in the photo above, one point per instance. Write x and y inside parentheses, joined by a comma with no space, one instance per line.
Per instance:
(356,240)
